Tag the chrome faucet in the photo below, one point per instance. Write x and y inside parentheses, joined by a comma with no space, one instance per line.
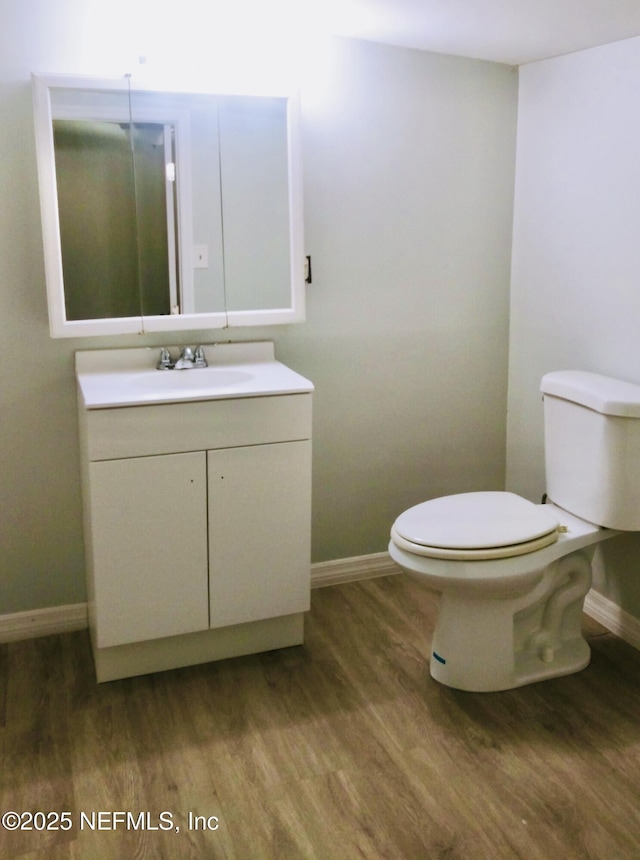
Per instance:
(188,358)
(199,359)
(165,361)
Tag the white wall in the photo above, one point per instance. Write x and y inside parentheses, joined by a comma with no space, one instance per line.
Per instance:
(408,201)
(575,296)
(408,171)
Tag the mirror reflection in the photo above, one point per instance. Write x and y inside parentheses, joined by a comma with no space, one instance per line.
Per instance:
(129,266)
(167,210)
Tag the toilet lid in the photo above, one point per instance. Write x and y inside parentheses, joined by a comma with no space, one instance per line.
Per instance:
(476,525)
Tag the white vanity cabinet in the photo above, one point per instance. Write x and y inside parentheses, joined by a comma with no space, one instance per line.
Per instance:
(197,527)
(259,505)
(148,537)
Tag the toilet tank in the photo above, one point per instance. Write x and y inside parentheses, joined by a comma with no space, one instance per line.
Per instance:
(592,447)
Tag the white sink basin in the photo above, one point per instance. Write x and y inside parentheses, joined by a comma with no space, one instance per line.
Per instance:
(128,377)
(195,378)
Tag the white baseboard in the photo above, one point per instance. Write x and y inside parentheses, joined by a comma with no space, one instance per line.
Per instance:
(611,616)
(43,622)
(358,567)
(64,619)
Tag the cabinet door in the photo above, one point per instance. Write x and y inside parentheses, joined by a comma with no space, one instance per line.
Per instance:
(149,546)
(259,531)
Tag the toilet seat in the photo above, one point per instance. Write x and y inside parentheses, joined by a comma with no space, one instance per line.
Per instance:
(476,526)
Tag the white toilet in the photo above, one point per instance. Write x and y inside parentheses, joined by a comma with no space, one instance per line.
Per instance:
(513,575)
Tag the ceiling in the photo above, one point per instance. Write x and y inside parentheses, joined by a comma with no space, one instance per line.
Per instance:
(506,31)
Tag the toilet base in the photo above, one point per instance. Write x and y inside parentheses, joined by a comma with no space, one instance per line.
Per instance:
(528,668)
(571,657)
(487,644)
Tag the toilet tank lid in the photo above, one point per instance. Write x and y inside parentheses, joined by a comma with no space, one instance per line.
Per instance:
(600,393)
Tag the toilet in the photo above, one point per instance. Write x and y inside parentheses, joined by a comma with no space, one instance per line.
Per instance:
(512,574)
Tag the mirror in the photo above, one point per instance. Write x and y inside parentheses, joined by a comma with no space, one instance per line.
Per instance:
(167,211)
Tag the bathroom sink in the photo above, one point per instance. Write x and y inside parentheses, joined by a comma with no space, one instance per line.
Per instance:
(199,378)
(128,377)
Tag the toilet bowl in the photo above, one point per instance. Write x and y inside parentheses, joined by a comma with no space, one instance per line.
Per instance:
(513,575)
(510,618)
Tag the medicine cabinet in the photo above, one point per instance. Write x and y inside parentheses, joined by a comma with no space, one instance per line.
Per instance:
(167,211)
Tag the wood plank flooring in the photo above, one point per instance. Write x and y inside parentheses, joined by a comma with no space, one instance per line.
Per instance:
(344,748)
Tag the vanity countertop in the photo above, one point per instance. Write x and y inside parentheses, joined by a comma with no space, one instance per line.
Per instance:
(110,378)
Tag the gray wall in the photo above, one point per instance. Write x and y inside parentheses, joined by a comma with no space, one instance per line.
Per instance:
(408,170)
(575,300)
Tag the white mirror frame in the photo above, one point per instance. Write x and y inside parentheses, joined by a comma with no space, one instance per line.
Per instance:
(59,325)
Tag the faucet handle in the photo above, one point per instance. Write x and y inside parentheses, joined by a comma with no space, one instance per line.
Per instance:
(164,362)
(200,358)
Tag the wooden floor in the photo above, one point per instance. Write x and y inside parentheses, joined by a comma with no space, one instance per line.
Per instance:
(344,748)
